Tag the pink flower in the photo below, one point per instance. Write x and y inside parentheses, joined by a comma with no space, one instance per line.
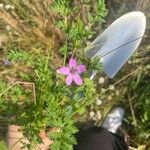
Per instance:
(72,72)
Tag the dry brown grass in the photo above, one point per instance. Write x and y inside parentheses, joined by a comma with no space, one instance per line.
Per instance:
(28,25)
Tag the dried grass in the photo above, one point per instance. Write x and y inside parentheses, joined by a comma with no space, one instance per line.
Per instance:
(31,26)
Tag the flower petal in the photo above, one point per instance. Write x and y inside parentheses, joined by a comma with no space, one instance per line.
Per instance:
(63,70)
(72,63)
(81,69)
(77,79)
(69,79)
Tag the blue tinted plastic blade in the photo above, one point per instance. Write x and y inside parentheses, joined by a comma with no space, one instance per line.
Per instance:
(119,36)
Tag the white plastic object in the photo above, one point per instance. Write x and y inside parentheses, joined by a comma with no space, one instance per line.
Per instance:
(118,42)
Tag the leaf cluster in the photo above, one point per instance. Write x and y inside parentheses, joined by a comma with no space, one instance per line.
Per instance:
(70,20)
(56,105)
(138,91)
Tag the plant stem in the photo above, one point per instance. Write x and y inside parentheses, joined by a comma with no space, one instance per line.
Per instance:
(65,54)
(73,52)
(132,111)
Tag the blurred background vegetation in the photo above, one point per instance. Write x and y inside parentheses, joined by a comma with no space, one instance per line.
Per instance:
(31,27)
(130,88)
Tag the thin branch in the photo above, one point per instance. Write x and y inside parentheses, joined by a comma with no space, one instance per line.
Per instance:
(123,78)
(132,111)
(33,85)
(145,51)
(8,88)
(141,68)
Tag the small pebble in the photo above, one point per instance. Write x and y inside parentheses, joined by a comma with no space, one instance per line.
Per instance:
(12,7)
(92,114)
(98,102)
(1,5)
(7,7)
(129,62)
(117,93)
(86,28)
(99,116)
(111,87)
(109,97)
(88,43)
(7,27)
(101,80)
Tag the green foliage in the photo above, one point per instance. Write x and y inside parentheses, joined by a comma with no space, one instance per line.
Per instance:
(99,12)
(93,63)
(56,105)
(3,146)
(45,101)
(61,7)
(139,92)
(2,88)
(24,56)
(71,22)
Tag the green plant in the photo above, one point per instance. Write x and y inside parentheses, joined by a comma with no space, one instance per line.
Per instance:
(40,93)
(138,95)
(52,104)
(45,101)
(3,145)
(70,20)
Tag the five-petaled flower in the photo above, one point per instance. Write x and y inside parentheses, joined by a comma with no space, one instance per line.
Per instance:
(72,71)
